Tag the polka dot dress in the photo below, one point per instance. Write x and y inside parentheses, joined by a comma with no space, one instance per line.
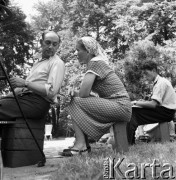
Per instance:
(95,115)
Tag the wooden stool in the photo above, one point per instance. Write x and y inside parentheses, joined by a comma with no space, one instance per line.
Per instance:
(160,132)
(18,146)
(164,131)
(1,160)
(120,137)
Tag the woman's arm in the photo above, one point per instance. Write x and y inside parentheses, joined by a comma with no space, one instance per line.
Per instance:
(86,85)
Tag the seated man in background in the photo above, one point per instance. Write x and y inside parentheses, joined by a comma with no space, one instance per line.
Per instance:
(40,88)
(161,107)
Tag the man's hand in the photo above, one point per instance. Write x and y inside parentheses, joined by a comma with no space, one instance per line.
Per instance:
(17,82)
(133,103)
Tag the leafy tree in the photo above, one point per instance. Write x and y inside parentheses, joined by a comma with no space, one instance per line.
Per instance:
(16,40)
(115,24)
(130,31)
(134,20)
(51,16)
(90,16)
(159,19)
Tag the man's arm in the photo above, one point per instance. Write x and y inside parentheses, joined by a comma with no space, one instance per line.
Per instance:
(55,78)
(36,87)
(49,88)
(146,104)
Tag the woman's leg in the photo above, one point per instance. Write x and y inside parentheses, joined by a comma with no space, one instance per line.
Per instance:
(80,142)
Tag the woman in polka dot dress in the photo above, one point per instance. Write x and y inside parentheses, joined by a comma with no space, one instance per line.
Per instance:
(93,116)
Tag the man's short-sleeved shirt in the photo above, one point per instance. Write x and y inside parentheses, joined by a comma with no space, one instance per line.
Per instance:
(164,93)
(50,73)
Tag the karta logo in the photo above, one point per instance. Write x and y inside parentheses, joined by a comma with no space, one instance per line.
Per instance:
(112,170)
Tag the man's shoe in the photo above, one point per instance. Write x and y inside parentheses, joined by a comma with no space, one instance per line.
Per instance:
(144,138)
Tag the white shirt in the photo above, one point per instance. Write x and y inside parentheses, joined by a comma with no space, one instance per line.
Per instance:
(164,93)
(49,72)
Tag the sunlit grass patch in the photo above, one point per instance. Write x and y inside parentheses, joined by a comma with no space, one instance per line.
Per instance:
(90,166)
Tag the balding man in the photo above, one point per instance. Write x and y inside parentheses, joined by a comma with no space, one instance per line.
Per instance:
(40,88)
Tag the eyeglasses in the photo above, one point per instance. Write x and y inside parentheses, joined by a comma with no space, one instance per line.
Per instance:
(48,43)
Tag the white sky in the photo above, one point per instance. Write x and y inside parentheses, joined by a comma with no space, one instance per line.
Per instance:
(27,6)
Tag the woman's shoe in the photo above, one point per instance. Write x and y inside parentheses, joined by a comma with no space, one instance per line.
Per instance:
(73,152)
(68,149)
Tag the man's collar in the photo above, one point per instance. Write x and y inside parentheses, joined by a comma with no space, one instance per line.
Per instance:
(42,59)
(156,79)
(39,58)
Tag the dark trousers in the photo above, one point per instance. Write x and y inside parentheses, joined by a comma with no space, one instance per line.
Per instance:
(141,116)
(32,105)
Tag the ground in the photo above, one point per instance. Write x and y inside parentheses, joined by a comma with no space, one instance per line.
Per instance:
(49,171)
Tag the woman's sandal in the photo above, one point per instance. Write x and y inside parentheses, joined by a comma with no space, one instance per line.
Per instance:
(73,152)
(68,149)
(87,144)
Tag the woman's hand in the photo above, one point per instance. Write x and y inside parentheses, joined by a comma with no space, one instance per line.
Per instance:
(17,82)
(72,92)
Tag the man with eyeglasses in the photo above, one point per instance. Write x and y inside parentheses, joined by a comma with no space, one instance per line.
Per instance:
(40,88)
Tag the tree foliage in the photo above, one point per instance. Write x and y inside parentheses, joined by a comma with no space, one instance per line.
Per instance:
(117,25)
(16,40)
(133,21)
(131,31)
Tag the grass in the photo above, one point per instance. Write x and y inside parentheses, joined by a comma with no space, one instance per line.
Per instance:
(90,166)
